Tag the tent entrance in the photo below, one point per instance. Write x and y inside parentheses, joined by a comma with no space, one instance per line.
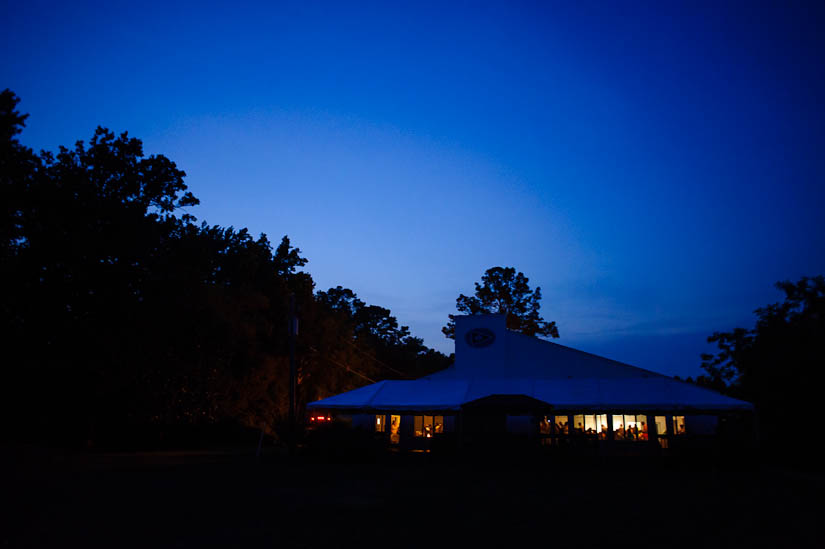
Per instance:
(486,419)
(395,429)
(483,423)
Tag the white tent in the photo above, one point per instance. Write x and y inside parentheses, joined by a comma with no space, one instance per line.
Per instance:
(491,360)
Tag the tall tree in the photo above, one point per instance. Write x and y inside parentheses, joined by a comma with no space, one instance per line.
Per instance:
(18,165)
(779,364)
(378,336)
(122,316)
(503,291)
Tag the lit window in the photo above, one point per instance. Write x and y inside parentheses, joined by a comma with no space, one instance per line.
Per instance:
(395,429)
(601,426)
(661,425)
(561,426)
(678,425)
(545,428)
(590,426)
(380,424)
(427,426)
(545,425)
(578,424)
(594,425)
(661,430)
(618,427)
(635,427)
(630,427)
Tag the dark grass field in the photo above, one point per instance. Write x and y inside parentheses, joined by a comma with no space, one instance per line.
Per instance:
(234,500)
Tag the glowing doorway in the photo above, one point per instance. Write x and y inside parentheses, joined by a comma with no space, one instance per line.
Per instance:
(395,429)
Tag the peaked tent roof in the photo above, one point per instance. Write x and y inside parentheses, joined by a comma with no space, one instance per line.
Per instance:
(511,363)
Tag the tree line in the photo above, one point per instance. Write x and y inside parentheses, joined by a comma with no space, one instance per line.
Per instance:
(779,366)
(125,321)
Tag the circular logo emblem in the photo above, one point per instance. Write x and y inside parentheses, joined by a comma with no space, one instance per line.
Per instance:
(479,337)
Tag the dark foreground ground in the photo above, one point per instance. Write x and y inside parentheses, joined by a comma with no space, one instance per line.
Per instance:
(231,500)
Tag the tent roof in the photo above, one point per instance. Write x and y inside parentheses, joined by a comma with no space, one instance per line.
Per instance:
(654,393)
(510,363)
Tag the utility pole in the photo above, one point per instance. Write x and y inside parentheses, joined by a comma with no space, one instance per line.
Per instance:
(293,375)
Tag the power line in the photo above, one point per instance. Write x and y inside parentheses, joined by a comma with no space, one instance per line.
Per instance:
(345,367)
(390,368)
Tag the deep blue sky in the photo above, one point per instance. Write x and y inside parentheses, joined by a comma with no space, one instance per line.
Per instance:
(655,170)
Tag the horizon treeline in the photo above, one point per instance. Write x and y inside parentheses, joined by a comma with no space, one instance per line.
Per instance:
(128,323)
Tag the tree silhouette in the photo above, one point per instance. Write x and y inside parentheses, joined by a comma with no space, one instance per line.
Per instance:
(378,336)
(503,291)
(779,365)
(125,322)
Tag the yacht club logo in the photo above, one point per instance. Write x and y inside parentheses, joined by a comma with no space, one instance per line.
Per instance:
(479,337)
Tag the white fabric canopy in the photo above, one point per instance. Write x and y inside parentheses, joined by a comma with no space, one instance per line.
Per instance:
(515,364)
(587,393)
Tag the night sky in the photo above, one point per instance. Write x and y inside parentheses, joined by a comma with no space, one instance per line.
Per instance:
(655,170)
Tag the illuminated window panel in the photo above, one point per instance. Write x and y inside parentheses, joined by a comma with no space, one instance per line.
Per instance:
(561,426)
(395,429)
(427,426)
(546,425)
(578,424)
(661,430)
(618,427)
(679,425)
(635,427)
(661,425)
(601,426)
(545,429)
(380,424)
(590,425)
(644,428)
(631,428)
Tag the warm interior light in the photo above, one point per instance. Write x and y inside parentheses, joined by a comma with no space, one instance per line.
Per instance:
(661,425)
(427,426)
(395,426)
